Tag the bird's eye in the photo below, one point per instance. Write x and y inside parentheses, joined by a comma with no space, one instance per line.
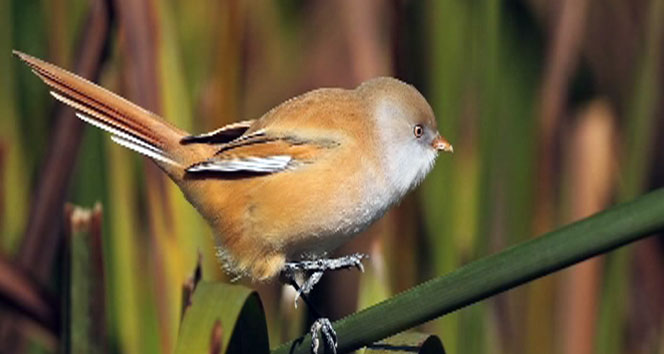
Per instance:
(418,130)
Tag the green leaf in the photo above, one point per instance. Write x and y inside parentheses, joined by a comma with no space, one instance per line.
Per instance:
(491,275)
(410,342)
(231,313)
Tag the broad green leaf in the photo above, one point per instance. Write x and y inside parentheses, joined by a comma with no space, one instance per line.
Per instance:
(236,308)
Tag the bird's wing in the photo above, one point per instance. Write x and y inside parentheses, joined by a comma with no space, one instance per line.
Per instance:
(222,135)
(263,153)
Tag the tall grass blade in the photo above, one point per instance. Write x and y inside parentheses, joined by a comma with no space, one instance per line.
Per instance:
(488,276)
(84,325)
(14,169)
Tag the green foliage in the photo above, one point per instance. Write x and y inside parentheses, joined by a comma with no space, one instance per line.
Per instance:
(482,66)
(235,310)
(491,275)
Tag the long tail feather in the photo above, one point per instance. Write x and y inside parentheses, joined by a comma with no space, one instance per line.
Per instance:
(149,152)
(130,125)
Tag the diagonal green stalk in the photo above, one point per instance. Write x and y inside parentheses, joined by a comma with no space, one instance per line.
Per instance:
(488,276)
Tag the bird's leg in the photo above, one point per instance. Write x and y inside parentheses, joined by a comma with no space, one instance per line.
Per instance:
(316,268)
(324,264)
(321,326)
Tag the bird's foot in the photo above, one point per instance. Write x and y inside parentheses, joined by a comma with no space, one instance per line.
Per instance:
(323,328)
(325,264)
(316,269)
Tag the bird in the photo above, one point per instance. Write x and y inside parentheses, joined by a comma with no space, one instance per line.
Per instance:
(282,191)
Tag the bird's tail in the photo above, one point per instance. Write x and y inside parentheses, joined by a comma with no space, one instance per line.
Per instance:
(130,125)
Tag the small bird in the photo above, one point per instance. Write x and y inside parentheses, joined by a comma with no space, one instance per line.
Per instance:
(284,190)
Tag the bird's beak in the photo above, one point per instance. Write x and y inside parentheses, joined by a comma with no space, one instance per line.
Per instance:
(441,144)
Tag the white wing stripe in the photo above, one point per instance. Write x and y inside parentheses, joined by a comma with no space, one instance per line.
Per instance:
(250,164)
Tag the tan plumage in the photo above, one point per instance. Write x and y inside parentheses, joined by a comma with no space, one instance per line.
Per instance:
(295,183)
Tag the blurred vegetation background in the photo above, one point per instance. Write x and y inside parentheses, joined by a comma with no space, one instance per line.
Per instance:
(554,109)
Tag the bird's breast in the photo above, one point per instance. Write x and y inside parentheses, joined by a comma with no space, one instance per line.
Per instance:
(313,210)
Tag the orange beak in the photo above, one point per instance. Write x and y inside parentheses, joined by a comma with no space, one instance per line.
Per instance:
(441,144)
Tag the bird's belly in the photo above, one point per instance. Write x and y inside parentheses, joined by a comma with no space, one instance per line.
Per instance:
(338,231)
(332,217)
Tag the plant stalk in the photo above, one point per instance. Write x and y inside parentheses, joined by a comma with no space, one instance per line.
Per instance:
(491,275)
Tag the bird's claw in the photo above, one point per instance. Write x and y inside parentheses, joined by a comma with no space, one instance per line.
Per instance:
(357,261)
(323,327)
(317,268)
